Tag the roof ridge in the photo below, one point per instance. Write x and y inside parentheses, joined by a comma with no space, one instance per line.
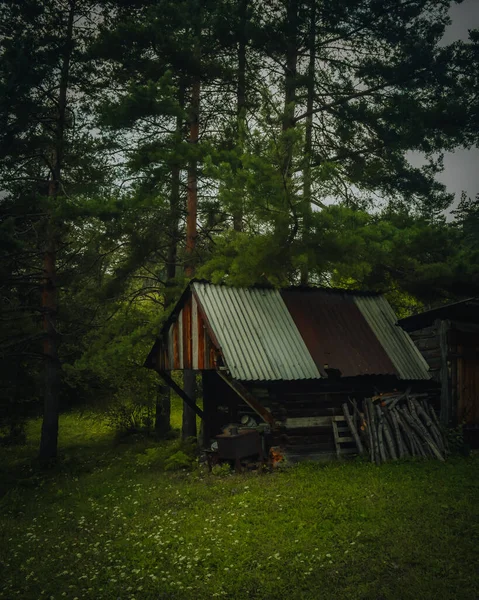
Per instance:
(291,288)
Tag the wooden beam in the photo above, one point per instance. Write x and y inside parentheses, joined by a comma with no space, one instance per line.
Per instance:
(442,329)
(352,428)
(250,400)
(176,388)
(305,422)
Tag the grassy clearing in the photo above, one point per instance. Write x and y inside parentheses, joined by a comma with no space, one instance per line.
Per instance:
(107,524)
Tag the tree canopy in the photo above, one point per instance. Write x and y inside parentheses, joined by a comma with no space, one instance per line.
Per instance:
(142,141)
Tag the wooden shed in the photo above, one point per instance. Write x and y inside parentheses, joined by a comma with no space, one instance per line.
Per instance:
(287,358)
(448,338)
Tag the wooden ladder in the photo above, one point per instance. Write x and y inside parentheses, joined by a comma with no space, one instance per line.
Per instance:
(340,426)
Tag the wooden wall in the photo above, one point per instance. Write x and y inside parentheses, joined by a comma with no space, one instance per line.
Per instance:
(188,344)
(427,341)
(302,411)
(306,419)
(464,358)
(451,349)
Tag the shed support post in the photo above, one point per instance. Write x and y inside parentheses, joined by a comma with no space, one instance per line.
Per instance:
(442,328)
(176,388)
(208,406)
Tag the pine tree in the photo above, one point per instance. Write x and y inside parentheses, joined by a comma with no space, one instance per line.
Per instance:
(350,89)
(43,154)
(169,66)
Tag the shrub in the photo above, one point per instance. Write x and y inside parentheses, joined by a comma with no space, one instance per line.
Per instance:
(153,457)
(127,418)
(180,454)
(177,461)
(222,470)
(456,441)
(13,434)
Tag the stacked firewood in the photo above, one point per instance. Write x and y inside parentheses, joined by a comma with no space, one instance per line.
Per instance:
(396,425)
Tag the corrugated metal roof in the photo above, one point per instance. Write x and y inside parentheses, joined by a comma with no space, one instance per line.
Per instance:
(337,334)
(400,348)
(257,335)
(466,311)
(270,335)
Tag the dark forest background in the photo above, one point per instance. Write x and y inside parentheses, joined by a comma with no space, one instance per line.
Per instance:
(143,142)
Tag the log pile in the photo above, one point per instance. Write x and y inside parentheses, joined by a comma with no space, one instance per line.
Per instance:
(397,425)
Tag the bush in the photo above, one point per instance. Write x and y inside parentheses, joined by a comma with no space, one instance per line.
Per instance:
(127,418)
(222,470)
(179,460)
(181,454)
(153,457)
(456,441)
(13,434)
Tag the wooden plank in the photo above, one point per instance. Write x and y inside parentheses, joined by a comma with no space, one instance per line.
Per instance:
(391,418)
(429,343)
(408,440)
(321,442)
(194,333)
(389,438)
(336,438)
(369,429)
(442,327)
(175,387)
(382,451)
(201,343)
(300,422)
(352,428)
(208,407)
(420,431)
(212,357)
(424,332)
(187,335)
(433,357)
(180,340)
(176,347)
(372,424)
(433,431)
(245,395)
(460,385)
(164,362)
(184,334)
(207,351)
(171,355)
(466,327)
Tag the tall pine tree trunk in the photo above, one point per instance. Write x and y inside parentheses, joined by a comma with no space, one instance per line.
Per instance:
(163,399)
(189,377)
(290,84)
(282,228)
(308,145)
(192,191)
(241,96)
(52,367)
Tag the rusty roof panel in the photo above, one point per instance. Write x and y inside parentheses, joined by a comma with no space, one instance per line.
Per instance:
(402,351)
(336,333)
(270,335)
(256,334)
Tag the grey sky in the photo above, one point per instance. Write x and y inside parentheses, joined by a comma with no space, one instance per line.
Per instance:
(461,168)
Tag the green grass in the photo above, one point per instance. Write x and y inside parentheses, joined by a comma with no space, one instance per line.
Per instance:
(104,524)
